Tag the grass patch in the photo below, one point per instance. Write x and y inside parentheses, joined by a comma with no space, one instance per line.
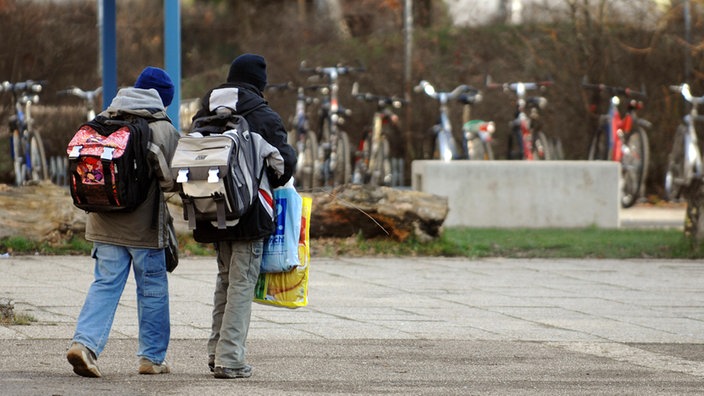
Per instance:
(525,243)
(455,242)
(19,319)
(23,319)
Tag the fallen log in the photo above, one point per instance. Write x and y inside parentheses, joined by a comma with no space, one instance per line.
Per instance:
(376,212)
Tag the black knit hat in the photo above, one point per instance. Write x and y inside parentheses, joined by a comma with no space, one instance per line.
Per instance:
(248,68)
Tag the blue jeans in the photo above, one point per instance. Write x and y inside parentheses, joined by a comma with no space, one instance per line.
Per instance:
(238,271)
(112,267)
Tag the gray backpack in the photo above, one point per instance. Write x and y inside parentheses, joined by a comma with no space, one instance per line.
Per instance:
(216,166)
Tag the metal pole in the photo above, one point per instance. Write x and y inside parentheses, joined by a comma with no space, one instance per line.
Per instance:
(109,52)
(688,40)
(408,60)
(172,55)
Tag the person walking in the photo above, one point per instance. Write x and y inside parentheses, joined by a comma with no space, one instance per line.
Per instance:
(135,239)
(239,247)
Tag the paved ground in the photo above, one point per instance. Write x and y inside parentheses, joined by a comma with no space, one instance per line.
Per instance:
(648,216)
(417,326)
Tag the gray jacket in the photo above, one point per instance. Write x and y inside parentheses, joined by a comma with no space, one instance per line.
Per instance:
(145,227)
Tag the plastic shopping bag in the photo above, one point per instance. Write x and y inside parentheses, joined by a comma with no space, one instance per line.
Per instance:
(289,289)
(281,249)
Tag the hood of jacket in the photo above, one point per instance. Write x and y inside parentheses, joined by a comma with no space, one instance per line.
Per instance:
(248,96)
(138,101)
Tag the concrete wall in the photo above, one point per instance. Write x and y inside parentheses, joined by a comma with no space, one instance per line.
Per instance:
(531,194)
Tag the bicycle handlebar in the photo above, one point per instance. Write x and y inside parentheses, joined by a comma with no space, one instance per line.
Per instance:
(615,91)
(287,86)
(290,86)
(381,100)
(75,91)
(29,86)
(330,71)
(687,94)
(429,89)
(519,87)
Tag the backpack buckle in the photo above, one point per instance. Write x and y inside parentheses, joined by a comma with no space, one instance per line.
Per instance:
(75,152)
(213,175)
(182,176)
(107,154)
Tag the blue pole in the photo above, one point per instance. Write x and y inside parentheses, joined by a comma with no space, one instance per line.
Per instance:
(172,55)
(109,46)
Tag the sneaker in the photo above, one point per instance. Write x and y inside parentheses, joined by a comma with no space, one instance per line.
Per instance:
(83,361)
(211,363)
(230,373)
(146,366)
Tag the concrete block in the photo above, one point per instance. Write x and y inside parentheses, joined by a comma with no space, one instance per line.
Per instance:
(530,194)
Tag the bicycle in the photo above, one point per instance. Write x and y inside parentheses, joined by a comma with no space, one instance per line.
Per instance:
(58,165)
(476,134)
(301,136)
(684,161)
(334,156)
(27,149)
(622,138)
(526,129)
(445,146)
(374,163)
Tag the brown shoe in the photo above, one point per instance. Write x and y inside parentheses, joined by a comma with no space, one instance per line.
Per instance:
(83,361)
(146,366)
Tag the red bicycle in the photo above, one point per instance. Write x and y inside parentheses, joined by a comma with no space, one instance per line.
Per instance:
(527,140)
(621,137)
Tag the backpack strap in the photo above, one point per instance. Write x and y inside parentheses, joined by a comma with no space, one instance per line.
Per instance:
(220,208)
(189,211)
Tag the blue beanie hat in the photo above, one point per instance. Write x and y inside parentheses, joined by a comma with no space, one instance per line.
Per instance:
(153,77)
(248,68)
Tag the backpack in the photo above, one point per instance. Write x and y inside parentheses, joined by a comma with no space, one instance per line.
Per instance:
(108,168)
(217,168)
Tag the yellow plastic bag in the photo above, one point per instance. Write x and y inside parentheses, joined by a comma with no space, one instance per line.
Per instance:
(289,289)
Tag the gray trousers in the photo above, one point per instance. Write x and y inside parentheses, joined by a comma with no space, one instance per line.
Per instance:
(238,270)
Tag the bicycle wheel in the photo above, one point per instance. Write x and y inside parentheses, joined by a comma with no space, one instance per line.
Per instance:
(695,204)
(342,172)
(360,170)
(675,177)
(488,151)
(380,164)
(556,147)
(479,150)
(37,158)
(18,157)
(322,171)
(514,148)
(444,146)
(633,166)
(541,147)
(307,155)
(599,146)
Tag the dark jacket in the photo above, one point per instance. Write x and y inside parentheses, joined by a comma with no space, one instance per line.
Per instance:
(262,119)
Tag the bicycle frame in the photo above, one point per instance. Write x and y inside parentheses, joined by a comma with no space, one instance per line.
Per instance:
(333,148)
(374,164)
(682,174)
(621,137)
(445,144)
(530,139)
(26,145)
(476,134)
(300,136)
(89,98)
